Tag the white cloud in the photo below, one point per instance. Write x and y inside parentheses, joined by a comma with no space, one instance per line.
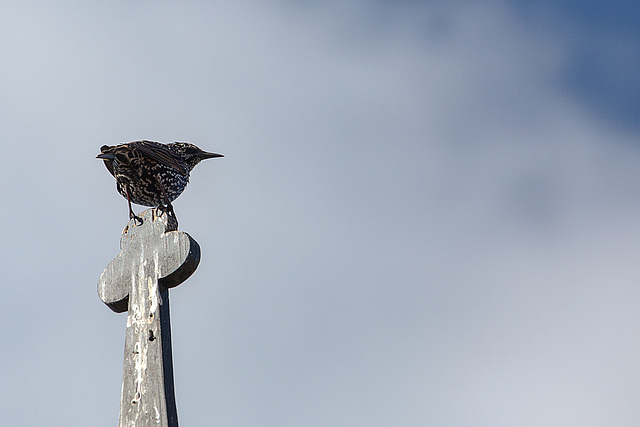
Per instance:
(413,225)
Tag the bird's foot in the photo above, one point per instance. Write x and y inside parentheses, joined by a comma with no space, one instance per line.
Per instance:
(136,218)
(169,210)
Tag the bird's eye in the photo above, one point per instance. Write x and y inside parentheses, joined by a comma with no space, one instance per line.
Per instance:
(122,159)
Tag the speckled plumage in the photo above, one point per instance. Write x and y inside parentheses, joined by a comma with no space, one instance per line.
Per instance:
(151,173)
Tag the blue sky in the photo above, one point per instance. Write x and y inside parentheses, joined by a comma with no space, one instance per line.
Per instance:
(427,213)
(604,37)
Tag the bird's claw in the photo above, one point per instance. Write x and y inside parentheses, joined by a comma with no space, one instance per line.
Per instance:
(136,218)
(168,209)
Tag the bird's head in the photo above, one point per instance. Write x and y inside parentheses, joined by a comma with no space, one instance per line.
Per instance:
(107,154)
(191,154)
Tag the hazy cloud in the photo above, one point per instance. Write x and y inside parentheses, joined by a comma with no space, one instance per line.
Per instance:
(416,221)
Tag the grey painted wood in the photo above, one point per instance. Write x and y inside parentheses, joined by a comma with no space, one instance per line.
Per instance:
(154,257)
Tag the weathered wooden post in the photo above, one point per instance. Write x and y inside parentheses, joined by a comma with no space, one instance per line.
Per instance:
(154,257)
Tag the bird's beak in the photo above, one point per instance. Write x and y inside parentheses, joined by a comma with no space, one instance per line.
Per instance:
(106,156)
(205,155)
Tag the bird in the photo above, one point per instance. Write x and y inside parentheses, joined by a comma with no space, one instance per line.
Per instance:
(151,173)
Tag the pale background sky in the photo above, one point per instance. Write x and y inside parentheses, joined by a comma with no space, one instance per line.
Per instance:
(428,213)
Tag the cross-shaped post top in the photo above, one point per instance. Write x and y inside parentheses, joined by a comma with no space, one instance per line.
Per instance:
(151,251)
(154,257)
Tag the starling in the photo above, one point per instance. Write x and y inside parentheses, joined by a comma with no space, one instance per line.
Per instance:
(151,173)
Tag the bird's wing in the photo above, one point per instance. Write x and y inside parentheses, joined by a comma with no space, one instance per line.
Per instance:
(161,154)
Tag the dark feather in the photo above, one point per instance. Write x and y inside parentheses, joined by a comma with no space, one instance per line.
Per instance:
(161,154)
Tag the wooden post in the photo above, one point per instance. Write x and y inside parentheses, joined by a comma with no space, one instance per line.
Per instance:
(154,257)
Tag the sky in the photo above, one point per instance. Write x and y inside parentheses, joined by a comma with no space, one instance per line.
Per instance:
(428,213)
